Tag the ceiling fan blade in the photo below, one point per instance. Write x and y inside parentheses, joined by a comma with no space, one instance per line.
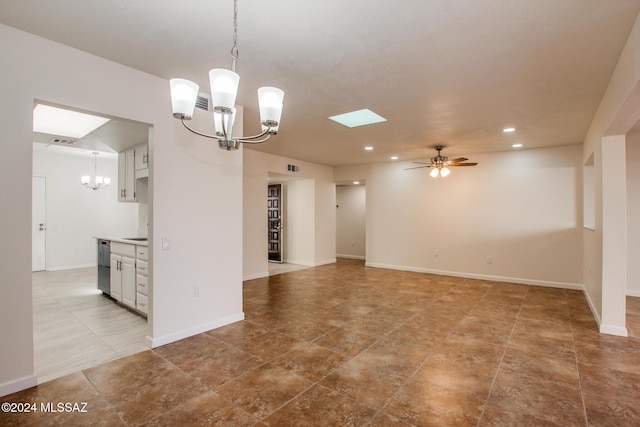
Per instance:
(418,167)
(464,164)
(422,163)
(459,159)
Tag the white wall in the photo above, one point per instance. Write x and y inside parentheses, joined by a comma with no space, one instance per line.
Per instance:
(522,208)
(351,213)
(195,193)
(633,214)
(74,213)
(299,221)
(617,112)
(310,199)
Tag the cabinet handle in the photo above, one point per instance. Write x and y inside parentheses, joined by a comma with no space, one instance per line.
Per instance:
(145,160)
(142,285)
(142,304)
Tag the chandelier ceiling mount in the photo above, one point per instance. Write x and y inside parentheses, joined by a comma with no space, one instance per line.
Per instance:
(224,88)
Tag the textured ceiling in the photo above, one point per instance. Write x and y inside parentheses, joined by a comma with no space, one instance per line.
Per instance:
(451,72)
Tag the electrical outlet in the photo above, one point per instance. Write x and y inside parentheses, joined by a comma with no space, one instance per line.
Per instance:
(489,259)
(196,291)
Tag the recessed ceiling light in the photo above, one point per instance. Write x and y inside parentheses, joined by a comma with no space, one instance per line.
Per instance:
(368,148)
(356,182)
(58,121)
(517,145)
(394,157)
(358,118)
(508,130)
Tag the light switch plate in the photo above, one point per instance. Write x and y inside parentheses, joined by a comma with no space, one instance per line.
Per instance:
(166,243)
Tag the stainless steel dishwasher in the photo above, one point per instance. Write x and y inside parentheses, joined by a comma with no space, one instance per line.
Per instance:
(104,266)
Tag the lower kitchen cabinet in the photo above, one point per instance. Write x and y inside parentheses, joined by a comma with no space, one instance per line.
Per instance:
(123,273)
(142,279)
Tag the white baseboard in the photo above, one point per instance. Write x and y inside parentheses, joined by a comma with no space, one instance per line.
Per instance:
(70,267)
(562,285)
(310,264)
(361,257)
(255,276)
(633,293)
(18,385)
(620,331)
(592,308)
(154,342)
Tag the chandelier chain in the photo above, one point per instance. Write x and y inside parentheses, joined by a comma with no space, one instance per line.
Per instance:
(234,49)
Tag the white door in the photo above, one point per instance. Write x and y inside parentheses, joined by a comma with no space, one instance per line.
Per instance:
(38,223)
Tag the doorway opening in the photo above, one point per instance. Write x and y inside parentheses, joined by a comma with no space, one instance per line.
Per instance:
(351,208)
(274,223)
(75,325)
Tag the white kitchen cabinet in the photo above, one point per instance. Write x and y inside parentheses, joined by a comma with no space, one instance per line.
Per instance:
(141,161)
(127,176)
(142,279)
(123,273)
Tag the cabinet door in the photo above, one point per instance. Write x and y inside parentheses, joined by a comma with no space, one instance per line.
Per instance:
(122,176)
(130,187)
(116,277)
(129,282)
(142,157)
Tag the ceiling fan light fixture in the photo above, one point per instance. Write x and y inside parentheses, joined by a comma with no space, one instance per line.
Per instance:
(434,172)
(444,172)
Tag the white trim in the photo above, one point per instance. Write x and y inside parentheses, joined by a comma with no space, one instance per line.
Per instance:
(70,267)
(633,293)
(362,257)
(592,308)
(154,342)
(310,264)
(620,331)
(562,285)
(18,385)
(325,262)
(255,276)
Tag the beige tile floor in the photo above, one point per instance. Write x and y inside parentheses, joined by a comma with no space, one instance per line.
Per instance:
(343,344)
(76,327)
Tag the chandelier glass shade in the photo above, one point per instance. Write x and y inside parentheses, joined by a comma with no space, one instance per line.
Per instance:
(224,88)
(97,181)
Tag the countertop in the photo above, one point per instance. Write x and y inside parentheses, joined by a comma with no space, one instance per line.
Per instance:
(131,241)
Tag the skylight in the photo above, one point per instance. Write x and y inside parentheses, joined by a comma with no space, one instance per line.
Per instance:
(58,121)
(358,118)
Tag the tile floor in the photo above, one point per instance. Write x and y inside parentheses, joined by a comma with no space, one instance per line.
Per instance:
(343,344)
(76,327)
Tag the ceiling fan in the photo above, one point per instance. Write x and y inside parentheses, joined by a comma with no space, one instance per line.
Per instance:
(440,164)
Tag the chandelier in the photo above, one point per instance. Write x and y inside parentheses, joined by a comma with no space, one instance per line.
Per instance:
(97,182)
(224,88)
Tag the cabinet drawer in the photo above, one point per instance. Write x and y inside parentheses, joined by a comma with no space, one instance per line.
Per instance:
(123,249)
(141,253)
(142,285)
(141,303)
(142,268)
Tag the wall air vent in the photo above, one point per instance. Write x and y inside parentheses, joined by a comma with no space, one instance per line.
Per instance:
(202,103)
(293,168)
(63,141)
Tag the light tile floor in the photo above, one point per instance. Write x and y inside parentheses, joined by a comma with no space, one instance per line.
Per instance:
(344,344)
(76,327)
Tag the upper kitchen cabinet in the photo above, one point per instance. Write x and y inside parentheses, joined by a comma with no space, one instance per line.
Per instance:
(133,169)
(127,176)
(142,161)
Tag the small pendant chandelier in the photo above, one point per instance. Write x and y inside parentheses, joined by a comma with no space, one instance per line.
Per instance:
(97,182)
(224,88)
